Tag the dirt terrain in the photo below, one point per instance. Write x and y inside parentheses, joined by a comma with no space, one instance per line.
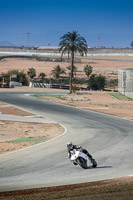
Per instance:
(117,189)
(102,64)
(10,131)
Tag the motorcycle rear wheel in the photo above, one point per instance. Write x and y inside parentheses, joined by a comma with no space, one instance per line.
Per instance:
(82,162)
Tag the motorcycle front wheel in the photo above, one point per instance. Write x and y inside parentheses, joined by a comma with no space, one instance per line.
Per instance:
(94,163)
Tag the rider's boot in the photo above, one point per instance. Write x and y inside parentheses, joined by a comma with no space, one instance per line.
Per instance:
(89,156)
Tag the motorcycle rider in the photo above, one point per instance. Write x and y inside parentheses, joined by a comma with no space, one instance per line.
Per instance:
(71,146)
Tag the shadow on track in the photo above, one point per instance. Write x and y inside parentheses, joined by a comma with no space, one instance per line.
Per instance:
(104,167)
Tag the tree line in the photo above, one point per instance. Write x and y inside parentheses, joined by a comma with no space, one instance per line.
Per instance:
(95,82)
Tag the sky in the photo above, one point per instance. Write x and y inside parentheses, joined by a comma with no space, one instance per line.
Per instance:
(106,23)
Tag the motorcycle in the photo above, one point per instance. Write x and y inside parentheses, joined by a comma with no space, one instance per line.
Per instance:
(80,158)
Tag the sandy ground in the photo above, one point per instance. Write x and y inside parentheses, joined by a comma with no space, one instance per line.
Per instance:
(46,67)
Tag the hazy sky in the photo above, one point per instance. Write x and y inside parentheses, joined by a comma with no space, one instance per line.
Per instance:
(102,22)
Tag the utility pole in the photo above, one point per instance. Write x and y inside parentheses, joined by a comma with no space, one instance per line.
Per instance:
(28,39)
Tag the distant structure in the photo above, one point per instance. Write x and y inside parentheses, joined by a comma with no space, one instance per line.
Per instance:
(125,82)
(28,39)
(48,48)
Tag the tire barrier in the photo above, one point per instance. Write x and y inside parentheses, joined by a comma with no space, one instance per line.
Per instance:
(4,86)
(56,86)
(47,85)
(39,85)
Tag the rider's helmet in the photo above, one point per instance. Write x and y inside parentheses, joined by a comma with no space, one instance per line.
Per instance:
(70,145)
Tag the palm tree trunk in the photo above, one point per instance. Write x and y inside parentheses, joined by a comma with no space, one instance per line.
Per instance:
(71,75)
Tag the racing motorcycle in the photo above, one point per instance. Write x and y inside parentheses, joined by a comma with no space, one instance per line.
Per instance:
(80,158)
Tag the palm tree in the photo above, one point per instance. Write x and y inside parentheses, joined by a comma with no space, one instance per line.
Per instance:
(88,70)
(72,43)
(57,71)
(42,75)
(31,73)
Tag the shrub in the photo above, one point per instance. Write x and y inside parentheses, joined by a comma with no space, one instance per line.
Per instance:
(96,82)
(42,75)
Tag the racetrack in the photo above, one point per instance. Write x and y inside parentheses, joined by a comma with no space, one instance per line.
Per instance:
(108,139)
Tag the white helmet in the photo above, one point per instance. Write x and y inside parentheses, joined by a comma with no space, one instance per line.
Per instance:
(70,145)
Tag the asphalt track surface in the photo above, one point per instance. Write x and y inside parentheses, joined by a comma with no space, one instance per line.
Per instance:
(108,138)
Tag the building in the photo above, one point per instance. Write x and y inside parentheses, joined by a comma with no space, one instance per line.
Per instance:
(125,82)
